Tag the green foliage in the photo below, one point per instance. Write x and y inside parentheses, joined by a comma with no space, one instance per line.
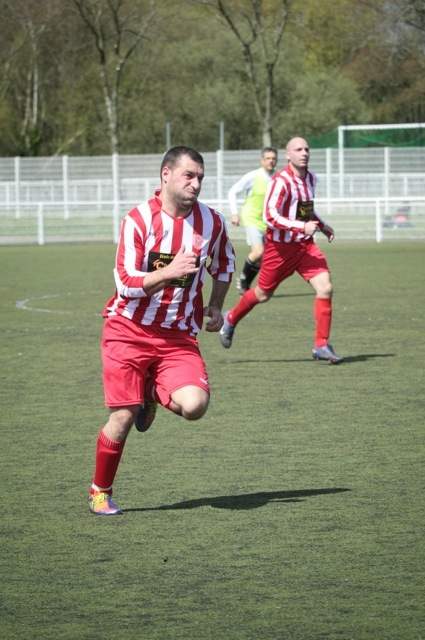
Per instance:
(7,127)
(339,63)
(320,102)
(78,116)
(393,82)
(291,510)
(205,61)
(333,32)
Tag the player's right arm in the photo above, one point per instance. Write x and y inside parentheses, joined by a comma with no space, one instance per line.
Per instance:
(183,263)
(276,207)
(130,281)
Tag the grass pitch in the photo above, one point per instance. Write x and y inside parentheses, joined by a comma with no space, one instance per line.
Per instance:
(292,511)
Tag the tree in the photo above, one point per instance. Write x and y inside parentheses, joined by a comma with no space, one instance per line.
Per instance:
(259,27)
(195,80)
(117,28)
(320,102)
(91,76)
(391,71)
(26,28)
(409,12)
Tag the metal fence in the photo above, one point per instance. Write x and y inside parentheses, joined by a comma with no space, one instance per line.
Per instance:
(64,198)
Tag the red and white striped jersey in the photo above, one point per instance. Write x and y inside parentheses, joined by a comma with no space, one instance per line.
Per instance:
(149,236)
(288,204)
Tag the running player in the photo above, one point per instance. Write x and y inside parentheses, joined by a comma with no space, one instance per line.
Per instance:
(291,224)
(149,348)
(254,186)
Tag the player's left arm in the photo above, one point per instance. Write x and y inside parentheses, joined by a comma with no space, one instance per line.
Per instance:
(328,232)
(326,229)
(221,269)
(215,305)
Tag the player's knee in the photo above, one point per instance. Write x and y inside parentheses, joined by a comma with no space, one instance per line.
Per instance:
(120,421)
(194,412)
(261,295)
(322,285)
(192,401)
(256,255)
(325,290)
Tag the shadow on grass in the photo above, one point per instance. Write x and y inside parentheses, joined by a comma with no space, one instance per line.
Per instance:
(245,500)
(292,295)
(363,357)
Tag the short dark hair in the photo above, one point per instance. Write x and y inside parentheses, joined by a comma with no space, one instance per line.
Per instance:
(172,156)
(268,150)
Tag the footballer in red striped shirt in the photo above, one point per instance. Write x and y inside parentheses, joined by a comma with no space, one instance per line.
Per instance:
(149,240)
(150,353)
(292,222)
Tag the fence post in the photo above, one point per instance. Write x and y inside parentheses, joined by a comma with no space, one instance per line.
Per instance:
(65,187)
(40,224)
(386,178)
(378,221)
(341,167)
(17,187)
(219,156)
(116,195)
(328,175)
(221,135)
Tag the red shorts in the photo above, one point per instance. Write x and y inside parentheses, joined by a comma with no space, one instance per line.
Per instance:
(280,260)
(131,353)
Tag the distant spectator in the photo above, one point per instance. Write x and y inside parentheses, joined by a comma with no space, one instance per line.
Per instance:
(400,219)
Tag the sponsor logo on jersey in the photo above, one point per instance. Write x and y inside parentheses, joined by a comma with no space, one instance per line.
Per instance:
(305,210)
(159,260)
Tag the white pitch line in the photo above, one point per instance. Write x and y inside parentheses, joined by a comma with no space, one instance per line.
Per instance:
(23,304)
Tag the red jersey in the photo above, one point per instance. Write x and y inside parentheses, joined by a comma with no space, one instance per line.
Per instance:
(288,205)
(149,239)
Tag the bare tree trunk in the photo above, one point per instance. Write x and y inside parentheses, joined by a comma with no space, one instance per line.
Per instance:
(35,96)
(111,106)
(115,42)
(30,120)
(268,106)
(249,28)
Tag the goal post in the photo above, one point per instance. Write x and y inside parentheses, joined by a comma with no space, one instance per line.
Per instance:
(342,129)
